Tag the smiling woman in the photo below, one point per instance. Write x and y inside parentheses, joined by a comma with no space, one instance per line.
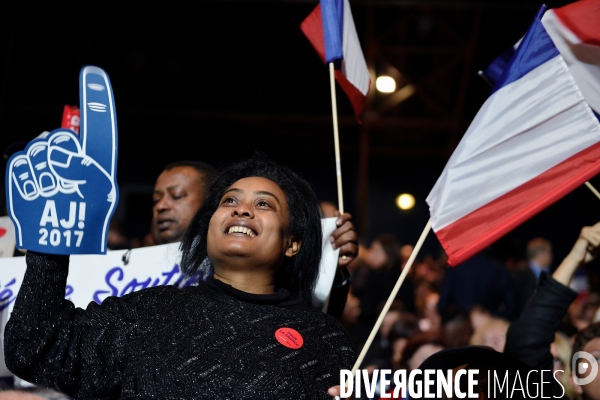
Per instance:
(277,206)
(250,228)
(246,332)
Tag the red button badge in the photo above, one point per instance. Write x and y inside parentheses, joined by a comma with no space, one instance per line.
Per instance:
(289,337)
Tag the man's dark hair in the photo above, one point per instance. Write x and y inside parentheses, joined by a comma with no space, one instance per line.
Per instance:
(298,274)
(207,171)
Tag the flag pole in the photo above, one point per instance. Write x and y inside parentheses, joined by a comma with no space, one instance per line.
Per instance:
(336,138)
(593,189)
(390,299)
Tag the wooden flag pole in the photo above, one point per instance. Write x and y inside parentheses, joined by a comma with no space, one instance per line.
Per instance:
(336,138)
(390,299)
(593,189)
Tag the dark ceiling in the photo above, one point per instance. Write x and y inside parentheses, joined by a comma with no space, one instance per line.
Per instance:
(217,80)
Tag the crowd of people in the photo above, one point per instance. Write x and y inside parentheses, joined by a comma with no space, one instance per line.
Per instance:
(527,310)
(482,302)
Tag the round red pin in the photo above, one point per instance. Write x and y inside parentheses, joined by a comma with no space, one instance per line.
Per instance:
(289,337)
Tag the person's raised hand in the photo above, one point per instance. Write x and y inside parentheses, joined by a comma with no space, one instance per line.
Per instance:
(61,190)
(587,246)
(584,250)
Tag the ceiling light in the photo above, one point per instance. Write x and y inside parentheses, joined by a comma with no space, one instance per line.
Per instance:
(405,201)
(385,84)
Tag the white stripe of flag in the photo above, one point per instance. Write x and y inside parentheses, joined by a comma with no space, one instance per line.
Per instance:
(534,140)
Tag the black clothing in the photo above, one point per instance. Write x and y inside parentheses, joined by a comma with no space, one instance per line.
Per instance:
(204,342)
(524,283)
(488,364)
(339,293)
(281,298)
(529,337)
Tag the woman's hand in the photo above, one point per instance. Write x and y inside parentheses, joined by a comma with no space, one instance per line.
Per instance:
(345,238)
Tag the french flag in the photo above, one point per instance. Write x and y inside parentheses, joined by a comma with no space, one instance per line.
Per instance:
(535,139)
(331,31)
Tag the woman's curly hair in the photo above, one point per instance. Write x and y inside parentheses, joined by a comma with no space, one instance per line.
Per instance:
(298,274)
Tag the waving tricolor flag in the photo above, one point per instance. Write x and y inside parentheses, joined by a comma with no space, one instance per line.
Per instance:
(330,29)
(535,139)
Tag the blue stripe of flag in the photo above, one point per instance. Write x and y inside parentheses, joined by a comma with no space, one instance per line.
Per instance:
(332,12)
(494,71)
(535,49)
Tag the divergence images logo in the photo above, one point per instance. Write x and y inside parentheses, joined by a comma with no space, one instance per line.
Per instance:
(579,367)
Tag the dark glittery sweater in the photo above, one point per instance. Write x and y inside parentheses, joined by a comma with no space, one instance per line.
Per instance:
(205,342)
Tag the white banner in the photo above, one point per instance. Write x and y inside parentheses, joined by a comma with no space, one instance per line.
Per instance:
(7,237)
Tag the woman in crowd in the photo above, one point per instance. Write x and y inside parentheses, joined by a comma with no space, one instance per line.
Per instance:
(247,332)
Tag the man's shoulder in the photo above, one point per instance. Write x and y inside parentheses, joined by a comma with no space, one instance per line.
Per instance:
(523,273)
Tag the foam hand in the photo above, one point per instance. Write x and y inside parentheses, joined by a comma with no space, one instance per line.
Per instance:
(61,190)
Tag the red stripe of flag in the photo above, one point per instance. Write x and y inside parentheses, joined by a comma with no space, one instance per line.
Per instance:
(312,27)
(474,232)
(576,17)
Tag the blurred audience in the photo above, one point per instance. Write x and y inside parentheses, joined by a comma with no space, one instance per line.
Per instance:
(539,258)
(583,310)
(417,349)
(373,281)
(116,238)
(531,336)
(458,330)
(420,346)
(491,333)
(480,281)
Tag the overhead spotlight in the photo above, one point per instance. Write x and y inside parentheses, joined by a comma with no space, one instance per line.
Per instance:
(385,84)
(405,201)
